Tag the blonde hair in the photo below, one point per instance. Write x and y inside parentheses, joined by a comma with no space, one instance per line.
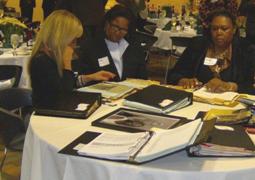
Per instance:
(56,33)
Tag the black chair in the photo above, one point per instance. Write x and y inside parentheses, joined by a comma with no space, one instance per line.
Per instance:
(150,28)
(177,41)
(12,72)
(181,42)
(145,41)
(15,111)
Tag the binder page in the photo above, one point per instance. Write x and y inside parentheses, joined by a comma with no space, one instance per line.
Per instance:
(168,141)
(115,146)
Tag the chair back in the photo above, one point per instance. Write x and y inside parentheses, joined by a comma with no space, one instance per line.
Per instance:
(144,40)
(150,28)
(11,72)
(181,41)
(11,125)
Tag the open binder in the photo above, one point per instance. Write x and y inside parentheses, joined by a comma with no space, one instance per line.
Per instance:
(159,99)
(74,105)
(146,146)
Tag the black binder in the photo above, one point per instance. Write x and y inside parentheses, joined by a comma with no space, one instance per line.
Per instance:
(67,106)
(237,137)
(152,98)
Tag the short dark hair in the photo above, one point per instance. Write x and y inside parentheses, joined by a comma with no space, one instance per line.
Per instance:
(224,13)
(119,11)
(217,13)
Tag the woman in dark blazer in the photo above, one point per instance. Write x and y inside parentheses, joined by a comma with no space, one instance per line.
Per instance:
(50,65)
(111,51)
(221,61)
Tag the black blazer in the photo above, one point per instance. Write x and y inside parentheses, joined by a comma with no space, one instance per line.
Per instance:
(241,70)
(134,65)
(47,85)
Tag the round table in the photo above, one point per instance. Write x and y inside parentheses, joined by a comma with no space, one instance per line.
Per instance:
(47,135)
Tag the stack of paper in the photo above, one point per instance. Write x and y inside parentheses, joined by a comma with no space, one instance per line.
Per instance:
(225,98)
(144,146)
(108,89)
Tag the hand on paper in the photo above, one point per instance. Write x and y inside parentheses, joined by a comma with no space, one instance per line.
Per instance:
(99,76)
(218,86)
(189,83)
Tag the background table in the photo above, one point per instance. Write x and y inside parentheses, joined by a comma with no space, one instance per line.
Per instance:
(164,38)
(47,135)
(22,60)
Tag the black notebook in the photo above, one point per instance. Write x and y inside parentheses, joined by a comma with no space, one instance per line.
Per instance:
(74,105)
(159,99)
(224,141)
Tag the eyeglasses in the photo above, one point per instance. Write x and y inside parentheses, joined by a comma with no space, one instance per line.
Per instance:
(117,28)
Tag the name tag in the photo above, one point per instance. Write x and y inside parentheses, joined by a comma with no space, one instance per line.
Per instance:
(210,61)
(104,61)
(165,102)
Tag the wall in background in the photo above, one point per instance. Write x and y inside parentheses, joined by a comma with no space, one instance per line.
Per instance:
(38,13)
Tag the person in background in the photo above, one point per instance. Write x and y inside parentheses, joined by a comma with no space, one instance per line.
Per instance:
(90,13)
(207,6)
(139,11)
(50,63)
(247,11)
(48,6)
(3,4)
(26,8)
(219,61)
(111,51)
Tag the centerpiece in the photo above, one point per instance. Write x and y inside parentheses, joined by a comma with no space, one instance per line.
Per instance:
(9,26)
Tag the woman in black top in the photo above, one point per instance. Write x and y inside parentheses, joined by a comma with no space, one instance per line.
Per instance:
(50,65)
(219,61)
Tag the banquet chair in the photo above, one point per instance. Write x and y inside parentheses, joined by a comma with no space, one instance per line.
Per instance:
(177,41)
(15,111)
(145,41)
(10,73)
(150,28)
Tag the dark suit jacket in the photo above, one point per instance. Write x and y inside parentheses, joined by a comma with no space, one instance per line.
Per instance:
(134,65)
(27,3)
(241,70)
(90,12)
(47,84)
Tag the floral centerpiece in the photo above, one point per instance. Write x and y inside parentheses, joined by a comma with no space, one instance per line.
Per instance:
(9,26)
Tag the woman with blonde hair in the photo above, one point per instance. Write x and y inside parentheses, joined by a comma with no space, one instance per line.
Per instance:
(50,64)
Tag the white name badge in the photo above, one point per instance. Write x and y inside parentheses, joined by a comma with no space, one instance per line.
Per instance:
(104,61)
(210,61)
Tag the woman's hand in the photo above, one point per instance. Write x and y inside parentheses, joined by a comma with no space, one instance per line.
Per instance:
(218,86)
(67,58)
(189,83)
(98,76)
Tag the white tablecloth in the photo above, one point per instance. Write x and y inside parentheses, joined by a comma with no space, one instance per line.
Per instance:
(22,60)
(164,40)
(47,135)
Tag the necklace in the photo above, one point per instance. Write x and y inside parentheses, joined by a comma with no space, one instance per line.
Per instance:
(223,59)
